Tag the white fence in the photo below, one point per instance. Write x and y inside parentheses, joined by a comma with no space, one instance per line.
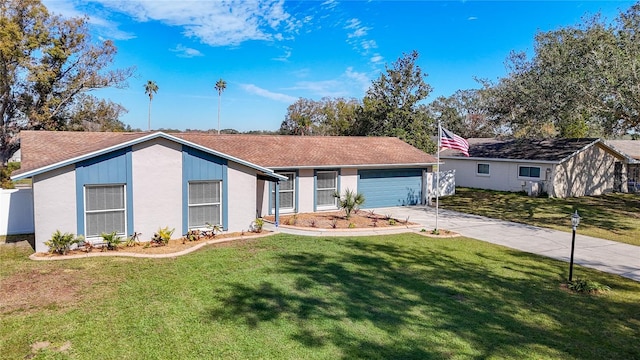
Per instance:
(16,211)
(447,180)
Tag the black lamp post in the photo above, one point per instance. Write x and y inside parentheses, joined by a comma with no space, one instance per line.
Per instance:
(575,221)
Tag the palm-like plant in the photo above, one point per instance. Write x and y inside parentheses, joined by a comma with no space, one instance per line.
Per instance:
(150,88)
(350,201)
(221,85)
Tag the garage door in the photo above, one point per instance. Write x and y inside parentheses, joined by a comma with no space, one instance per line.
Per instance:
(395,187)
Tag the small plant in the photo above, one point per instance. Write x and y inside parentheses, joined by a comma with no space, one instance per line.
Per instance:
(213,230)
(423,230)
(334,223)
(435,232)
(406,221)
(162,236)
(349,202)
(112,239)
(352,226)
(374,221)
(587,286)
(258,224)
(388,217)
(392,221)
(61,243)
(87,246)
(192,235)
(372,213)
(313,223)
(133,239)
(293,220)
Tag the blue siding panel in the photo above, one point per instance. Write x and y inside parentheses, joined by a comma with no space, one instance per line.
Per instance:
(201,166)
(390,187)
(111,168)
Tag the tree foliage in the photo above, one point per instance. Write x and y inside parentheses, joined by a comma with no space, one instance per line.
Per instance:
(583,80)
(46,63)
(391,106)
(328,116)
(465,113)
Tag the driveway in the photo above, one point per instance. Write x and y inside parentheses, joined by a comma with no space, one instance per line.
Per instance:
(604,255)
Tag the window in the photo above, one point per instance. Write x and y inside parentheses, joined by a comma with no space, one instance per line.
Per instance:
(287,192)
(326,186)
(483,169)
(104,210)
(204,204)
(529,171)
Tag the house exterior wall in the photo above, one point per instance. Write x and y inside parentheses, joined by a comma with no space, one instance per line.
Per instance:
(590,172)
(241,199)
(54,204)
(348,180)
(305,190)
(157,184)
(503,175)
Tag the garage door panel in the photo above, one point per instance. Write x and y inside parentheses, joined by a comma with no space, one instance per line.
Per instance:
(390,187)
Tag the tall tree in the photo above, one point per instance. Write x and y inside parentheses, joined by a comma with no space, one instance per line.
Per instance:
(92,114)
(392,106)
(464,113)
(46,63)
(150,88)
(221,85)
(327,116)
(583,80)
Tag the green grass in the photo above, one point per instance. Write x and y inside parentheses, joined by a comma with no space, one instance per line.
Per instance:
(287,297)
(614,217)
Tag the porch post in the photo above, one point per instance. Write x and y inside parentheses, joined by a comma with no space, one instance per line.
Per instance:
(277,203)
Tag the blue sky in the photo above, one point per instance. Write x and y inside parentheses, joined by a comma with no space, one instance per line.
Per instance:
(273,52)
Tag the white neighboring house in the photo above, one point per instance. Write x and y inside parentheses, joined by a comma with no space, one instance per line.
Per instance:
(559,167)
(632,149)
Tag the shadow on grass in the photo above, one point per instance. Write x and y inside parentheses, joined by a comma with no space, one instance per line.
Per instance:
(397,298)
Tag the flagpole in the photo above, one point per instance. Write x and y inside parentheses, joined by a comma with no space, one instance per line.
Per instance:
(438,172)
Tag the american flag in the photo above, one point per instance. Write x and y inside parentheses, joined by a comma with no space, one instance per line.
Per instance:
(450,140)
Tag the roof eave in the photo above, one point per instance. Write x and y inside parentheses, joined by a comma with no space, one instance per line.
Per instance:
(355,166)
(498,159)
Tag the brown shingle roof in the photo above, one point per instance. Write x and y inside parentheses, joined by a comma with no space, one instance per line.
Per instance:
(43,148)
(522,149)
(629,147)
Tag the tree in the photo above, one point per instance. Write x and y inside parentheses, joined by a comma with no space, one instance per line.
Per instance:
(221,85)
(583,80)
(93,114)
(150,88)
(46,64)
(391,106)
(327,116)
(464,113)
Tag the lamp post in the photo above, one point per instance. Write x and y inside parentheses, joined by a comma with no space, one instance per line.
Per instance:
(575,221)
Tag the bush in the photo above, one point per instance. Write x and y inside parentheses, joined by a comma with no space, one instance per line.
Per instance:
(349,202)
(5,174)
(258,224)
(61,243)
(162,236)
(112,240)
(587,286)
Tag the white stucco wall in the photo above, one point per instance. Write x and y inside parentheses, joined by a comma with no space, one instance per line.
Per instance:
(157,187)
(503,175)
(305,190)
(348,180)
(590,172)
(54,204)
(241,196)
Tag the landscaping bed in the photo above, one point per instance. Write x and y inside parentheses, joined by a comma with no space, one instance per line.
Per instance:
(337,220)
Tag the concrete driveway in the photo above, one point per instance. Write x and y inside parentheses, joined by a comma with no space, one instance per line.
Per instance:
(604,255)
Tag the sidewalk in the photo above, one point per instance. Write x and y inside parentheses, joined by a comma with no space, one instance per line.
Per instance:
(604,255)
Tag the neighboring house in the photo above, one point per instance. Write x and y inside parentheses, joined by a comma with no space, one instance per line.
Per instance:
(631,148)
(15,157)
(559,167)
(89,183)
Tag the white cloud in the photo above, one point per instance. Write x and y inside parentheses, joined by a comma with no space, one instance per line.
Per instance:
(253,89)
(330,4)
(216,23)
(348,84)
(285,56)
(359,78)
(104,27)
(358,30)
(185,52)
(376,59)
(472,18)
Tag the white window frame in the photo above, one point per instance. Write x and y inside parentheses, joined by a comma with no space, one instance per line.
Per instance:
(488,173)
(86,212)
(293,191)
(189,205)
(530,167)
(335,201)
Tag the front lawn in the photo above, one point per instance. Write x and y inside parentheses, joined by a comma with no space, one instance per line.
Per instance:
(289,297)
(614,217)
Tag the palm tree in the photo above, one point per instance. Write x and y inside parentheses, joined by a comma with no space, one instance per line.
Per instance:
(150,88)
(220,86)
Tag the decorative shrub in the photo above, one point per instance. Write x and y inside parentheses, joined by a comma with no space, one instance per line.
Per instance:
(61,243)
(112,240)
(587,286)
(349,202)
(213,230)
(258,224)
(162,236)
(334,223)
(392,221)
(352,225)
(133,239)
(192,235)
